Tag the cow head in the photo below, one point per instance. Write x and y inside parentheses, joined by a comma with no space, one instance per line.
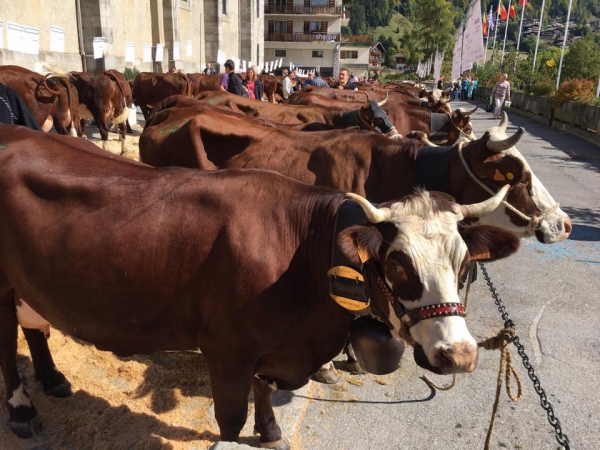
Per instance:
(419,254)
(373,117)
(495,160)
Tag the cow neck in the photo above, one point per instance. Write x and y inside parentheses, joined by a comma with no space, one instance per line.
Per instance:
(438,127)
(432,168)
(349,119)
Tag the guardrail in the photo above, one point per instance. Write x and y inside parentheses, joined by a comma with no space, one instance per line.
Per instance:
(301,37)
(572,117)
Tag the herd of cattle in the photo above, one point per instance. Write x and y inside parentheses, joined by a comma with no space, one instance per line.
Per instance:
(140,257)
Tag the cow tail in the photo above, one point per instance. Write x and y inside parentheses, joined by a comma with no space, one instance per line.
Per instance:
(45,84)
(116,80)
(188,85)
(65,83)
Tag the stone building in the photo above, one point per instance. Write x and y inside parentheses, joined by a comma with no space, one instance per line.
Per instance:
(188,33)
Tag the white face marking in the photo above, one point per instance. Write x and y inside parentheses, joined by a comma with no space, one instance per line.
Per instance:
(437,251)
(553,225)
(19,398)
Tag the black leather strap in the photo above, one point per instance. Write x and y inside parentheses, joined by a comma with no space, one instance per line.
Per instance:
(432,168)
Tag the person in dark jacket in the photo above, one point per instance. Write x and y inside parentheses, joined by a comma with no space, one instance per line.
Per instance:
(234,83)
(251,86)
(13,110)
(344,81)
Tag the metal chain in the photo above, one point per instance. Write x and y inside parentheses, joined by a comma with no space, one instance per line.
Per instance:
(561,437)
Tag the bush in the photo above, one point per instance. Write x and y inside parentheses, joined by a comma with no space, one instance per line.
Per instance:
(543,87)
(576,90)
(131,73)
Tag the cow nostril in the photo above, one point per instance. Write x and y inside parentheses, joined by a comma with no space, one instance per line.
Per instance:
(568,227)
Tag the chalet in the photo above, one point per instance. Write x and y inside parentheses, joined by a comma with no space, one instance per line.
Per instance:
(376,57)
(400,61)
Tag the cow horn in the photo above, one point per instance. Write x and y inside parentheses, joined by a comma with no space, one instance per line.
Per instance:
(485,207)
(382,102)
(468,113)
(374,214)
(505,144)
(504,121)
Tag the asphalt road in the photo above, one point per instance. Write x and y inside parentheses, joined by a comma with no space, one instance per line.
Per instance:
(550,292)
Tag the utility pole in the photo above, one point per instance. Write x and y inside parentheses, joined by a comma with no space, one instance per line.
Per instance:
(562,54)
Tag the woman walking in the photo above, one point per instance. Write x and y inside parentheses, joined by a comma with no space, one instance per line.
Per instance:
(500,93)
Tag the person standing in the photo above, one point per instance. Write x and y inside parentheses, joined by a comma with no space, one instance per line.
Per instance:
(13,109)
(464,85)
(317,81)
(209,70)
(500,94)
(470,86)
(286,84)
(230,81)
(475,83)
(251,85)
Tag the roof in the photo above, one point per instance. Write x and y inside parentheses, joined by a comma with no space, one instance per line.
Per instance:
(380,45)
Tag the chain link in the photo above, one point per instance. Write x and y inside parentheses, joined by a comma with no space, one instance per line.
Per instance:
(561,437)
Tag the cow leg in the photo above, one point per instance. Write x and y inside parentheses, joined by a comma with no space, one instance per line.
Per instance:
(103,129)
(53,381)
(264,417)
(145,111)
(231,384)
(22,415)
(83,123)
(122,135)
(327,374)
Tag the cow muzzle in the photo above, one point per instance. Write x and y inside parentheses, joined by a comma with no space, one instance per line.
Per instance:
(457,358)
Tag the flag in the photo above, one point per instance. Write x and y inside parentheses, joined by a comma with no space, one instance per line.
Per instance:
(523,2)
(491,22)
(485,30)
(502,10)
(511,12)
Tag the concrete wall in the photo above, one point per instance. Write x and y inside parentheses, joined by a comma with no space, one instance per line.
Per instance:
(239,32)
(572,117)
(41,14)
(298,52)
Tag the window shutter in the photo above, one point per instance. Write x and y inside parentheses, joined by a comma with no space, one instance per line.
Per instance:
(271,26)
(290,27)
(307,3)
(332,3)
(343,54)
(324,27)
(306,27)
(271,2)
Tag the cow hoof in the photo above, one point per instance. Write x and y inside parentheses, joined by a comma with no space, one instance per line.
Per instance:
(26,430)
(63,390)
(327,376)
(56,385)
(281,444)
(354,367)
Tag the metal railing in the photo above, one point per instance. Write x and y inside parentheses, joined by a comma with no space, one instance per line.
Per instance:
(308,10)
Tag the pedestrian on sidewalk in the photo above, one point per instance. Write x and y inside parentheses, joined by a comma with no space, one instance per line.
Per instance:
(500,93)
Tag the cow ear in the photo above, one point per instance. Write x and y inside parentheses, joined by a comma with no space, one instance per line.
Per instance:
(494,158)
(359,242)
(489,243)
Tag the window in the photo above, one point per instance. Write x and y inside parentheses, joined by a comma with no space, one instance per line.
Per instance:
(280,26)
(349,54)
(224,6)
(317,53)
(258,9)
(319,3)
(316,27)
(280,54)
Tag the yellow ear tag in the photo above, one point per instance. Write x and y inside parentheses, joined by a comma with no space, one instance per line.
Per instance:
(498,176)
(510,176)
(363,254)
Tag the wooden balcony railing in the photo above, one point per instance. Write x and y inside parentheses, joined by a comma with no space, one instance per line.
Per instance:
(306,10)
(358,39)
(301,37)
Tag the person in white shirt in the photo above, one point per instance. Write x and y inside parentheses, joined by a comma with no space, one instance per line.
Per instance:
(287,85)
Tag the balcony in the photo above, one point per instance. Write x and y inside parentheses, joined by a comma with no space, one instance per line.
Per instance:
(376,60)
(301,37)
(304,10)
(358,39)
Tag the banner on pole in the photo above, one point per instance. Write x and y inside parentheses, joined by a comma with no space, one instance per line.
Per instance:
(473,49)
(457,54)
(437,65)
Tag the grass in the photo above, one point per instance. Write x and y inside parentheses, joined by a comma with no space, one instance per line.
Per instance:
(398,20)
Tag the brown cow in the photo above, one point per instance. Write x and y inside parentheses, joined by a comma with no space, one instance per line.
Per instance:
(103,99)
(52,99)
(207,258)
(369,117)
(365,163)
(149,88)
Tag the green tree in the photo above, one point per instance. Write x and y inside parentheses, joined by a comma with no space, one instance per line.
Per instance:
(582,60)
(433,28)
(357,18)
